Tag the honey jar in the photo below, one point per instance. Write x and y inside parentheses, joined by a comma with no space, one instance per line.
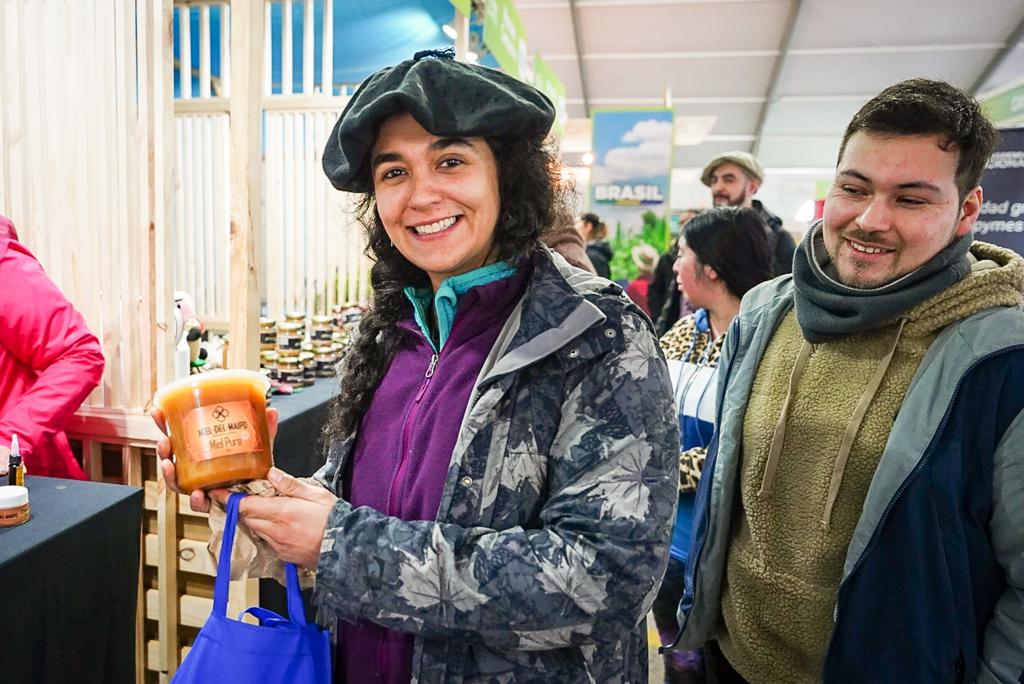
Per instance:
(14,508)
(321,329)
(268,334)
(297,317)
(308,362)
(217,424)
(326,360)
(268,361)
(289,335)
(290,371)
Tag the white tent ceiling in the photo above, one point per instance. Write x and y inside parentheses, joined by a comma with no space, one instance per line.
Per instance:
(780,77)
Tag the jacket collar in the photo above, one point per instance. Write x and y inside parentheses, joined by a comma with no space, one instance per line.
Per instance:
(553,312)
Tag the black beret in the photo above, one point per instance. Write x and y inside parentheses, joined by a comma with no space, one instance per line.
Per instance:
(446,97)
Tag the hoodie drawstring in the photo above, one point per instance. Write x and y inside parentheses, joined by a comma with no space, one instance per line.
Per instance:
(779,436)
(854,425)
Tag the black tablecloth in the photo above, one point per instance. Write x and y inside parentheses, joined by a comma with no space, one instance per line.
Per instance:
(68,582)
(302,417)
(297,451)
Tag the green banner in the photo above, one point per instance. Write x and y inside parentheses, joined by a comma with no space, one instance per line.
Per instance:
(1006,107)
(464,6)
(505,38)
(547,82)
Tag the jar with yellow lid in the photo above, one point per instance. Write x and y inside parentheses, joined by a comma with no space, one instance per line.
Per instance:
(308,362)
(290,370)
(326,361)
(217,424)
(321,329)
(268,334)
(289,336)
(268,360)
(297,317)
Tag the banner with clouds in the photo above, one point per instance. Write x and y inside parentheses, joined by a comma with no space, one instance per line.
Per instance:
(632,166)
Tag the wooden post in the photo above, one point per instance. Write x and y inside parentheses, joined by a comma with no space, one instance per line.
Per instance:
(461,26)
(162,160)
(246,179)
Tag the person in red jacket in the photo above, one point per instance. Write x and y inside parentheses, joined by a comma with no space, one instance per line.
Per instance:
(49,362)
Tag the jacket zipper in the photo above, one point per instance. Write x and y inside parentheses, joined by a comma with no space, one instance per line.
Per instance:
(410,420)
(911,476)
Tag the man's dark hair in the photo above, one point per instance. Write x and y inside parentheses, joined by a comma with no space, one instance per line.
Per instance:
(923,107)
(734,242)
(591,218)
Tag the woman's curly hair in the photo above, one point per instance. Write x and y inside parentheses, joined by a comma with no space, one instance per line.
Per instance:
(532,202)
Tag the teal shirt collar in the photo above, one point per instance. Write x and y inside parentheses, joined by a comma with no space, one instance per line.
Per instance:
(446,300)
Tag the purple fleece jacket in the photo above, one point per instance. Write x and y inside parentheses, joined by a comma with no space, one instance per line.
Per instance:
(404,447)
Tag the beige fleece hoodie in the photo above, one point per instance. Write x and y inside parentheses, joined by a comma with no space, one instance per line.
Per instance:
(818,420)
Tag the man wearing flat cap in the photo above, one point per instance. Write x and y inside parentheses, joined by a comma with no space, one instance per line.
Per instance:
(734,179)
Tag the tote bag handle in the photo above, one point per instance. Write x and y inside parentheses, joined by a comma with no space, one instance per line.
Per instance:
(296,611)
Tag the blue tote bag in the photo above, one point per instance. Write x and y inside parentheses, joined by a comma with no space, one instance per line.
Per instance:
(277,650)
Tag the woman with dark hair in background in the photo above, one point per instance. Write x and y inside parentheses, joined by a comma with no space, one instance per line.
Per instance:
(666,302)
(497,499)
(722,253)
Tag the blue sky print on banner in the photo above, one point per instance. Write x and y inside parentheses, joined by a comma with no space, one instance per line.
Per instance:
(632,165)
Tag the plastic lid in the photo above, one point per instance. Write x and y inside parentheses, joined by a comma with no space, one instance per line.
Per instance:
(12,496)
(200,380)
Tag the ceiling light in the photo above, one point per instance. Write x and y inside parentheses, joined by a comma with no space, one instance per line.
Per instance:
(693,130)
(588,158)
(449,31)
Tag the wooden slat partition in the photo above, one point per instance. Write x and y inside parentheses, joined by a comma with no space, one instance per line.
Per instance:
(201,211)
(314,256)
(90,229)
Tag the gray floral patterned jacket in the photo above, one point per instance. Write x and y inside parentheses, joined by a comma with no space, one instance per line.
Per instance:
(553,529)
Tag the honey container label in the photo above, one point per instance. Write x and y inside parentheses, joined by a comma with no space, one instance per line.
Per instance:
(223,429)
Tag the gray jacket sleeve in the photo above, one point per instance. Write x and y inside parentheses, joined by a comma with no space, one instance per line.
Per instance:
(1003,650)
(588,574)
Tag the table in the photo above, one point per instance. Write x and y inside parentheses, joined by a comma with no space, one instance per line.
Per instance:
(298,451)
(69,584)
(300,423)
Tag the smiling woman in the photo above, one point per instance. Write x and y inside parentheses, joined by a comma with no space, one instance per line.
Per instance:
(501,477)
(437,197)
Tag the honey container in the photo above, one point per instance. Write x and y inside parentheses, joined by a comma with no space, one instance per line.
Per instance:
(268,334)
(290,371)
(290,335)
(307,359)
(321,329)
(217,422)
(14,509)
(268,361)
(326,360)
(297,317)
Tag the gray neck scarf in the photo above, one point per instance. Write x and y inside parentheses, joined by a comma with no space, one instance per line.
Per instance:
(826,309)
